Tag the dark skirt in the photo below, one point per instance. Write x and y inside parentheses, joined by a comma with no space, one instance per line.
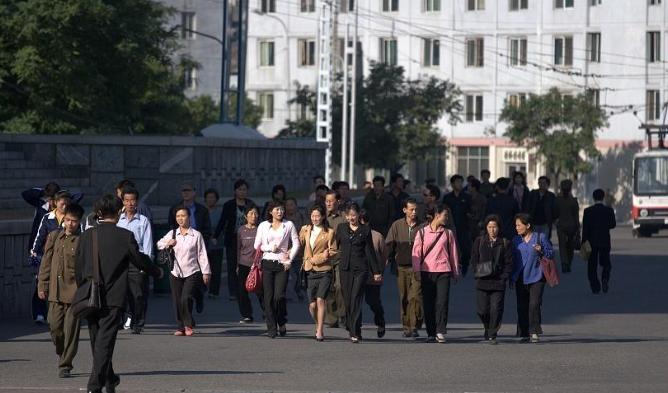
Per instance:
(318,284)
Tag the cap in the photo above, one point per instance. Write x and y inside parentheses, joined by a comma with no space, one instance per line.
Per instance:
(566,185)
(187,186)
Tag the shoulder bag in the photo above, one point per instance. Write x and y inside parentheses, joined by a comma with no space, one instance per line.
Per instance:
(87,298)
(549,269)
(487,268)
(254,280)
(166,256)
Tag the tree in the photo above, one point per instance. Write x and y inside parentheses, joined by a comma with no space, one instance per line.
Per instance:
(304,126)
(562,129)
(88,67)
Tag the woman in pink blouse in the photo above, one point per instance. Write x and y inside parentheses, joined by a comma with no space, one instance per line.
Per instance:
(279,242)
(191,267)
(435,260)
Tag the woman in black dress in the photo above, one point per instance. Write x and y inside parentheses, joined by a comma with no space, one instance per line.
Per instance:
(358,258)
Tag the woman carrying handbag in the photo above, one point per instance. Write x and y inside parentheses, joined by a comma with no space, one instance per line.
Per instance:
(245,257)
(190,269)
(492,264)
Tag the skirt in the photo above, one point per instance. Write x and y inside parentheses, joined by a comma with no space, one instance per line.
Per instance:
(318,284)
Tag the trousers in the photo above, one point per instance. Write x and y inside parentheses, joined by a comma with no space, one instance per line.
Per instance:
(232,278)
(436,293)
(335,304)
(243,296)
(64,327)
(565,249)
(490,310)
(103,329)
(352,288)
(529,303)
(598,256)
(137,297)
(373,300)
(216,263)
(410,299)
(183,296)
(274,283)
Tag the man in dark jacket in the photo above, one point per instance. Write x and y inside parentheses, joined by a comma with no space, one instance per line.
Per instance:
(542,207)
(43,200)
(459,203)
(597,222)
(504,206)
(117,249)
(380,207)
(398,194)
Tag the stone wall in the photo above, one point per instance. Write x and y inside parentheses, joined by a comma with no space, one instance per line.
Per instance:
(158,164)
(16,276)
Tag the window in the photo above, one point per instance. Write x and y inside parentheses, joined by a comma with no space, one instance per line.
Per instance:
(653,105)
(305,112)
(594,47)
(475,48)
(431,52)
(190,77)
(390,5)
(388,51)
(431,5)
(654,46)
(562,4)
(594,3)
(654,2)
(266,53)
(188,25)
(518,52)
(351,5)
(563,51)
(516,99)
(268,5)
(473,107)
(306,53)
(595,97)
(472,160)
(516,5)
(267,105)
(307,6)
(476,5)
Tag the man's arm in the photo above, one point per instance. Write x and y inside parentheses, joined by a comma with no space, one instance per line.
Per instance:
(141,261)
(33,196)
(80,260)
(221,223)
(44,275)
(40,239)
(613,220)
(206,226)
(585,226)
(147,239)
(77,195)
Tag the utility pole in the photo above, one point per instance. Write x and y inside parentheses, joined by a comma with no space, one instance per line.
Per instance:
(324,99)
(344,120)
(351,162)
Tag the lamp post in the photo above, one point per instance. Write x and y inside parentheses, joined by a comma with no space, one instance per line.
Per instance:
(287,56)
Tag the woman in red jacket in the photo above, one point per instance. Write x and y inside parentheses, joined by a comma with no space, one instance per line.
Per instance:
(435,257)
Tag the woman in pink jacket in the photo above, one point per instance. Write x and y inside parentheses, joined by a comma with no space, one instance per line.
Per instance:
(435,261)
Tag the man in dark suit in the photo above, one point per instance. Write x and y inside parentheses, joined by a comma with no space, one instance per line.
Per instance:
(504,206)
(117,249)
(459,202)
(542,207)
(597,222)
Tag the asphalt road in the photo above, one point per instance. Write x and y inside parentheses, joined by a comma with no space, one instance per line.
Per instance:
(615,342)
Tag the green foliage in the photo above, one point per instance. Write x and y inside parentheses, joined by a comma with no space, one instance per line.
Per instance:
(252,112)
(204,111)
(561,129)
(88,66)
(304,126)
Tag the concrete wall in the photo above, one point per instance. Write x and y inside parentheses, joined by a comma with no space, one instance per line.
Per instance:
(16,276)
(158,164)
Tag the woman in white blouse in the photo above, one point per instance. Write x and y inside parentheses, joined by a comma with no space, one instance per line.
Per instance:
(279,242)
(191,267)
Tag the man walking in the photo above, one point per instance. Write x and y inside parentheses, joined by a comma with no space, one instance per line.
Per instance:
(597,222)
(486,188)
(398,194)
(57,285)
(459,203)
(504,206)
(117,249)
(336,311)
(142,207)
(478,206)
(140,226)
(542,207)
(380,206)
(399,244)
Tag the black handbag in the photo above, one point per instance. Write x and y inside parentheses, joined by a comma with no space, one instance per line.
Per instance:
(166,257)
(87,300)
(303,278)
(484,269)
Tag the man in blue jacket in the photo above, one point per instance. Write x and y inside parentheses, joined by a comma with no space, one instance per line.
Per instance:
(597,222)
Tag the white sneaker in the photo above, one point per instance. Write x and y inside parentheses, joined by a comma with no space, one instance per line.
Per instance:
(40,320)
(440,337)
(128,324)
(534,338)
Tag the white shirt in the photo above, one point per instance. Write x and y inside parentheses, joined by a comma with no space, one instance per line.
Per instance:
(285,237)
(189,251)
(315,231)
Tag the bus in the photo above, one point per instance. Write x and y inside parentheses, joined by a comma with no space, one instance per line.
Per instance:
(650,185)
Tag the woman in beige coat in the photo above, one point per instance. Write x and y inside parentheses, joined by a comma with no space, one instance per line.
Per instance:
(319,245)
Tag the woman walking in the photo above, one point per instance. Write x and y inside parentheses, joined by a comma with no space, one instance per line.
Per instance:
(568,223)
(279,242)
(492,264)
(191,267)
(358,258)
(317,241)
(528,279)
(245,253)
(435,262)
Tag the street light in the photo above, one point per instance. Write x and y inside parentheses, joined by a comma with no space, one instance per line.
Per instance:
(287,56)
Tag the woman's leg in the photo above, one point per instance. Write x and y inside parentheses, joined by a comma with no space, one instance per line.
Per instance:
(359,282)
(496,303)
(429,300)
(268,283)
(281,307)
(483,301)
(442,302)
(535,303)
(191,285)
(245,307)
(346,293)
(176,285)
(522,292)
(321,308)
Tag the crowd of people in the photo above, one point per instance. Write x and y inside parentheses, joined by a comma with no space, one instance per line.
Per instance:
(335,250)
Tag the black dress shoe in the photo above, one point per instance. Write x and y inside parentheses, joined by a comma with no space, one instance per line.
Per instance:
(137,330)
(381,332)
(199,304)
(415,334)
(64,373)
(406,335)
(282,330)
(271,335)
(605,287)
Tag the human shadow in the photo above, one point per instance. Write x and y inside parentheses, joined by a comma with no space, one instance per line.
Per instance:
(14,360)
(196,372)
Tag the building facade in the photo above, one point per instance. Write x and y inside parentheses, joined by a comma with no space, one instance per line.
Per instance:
(495,51)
